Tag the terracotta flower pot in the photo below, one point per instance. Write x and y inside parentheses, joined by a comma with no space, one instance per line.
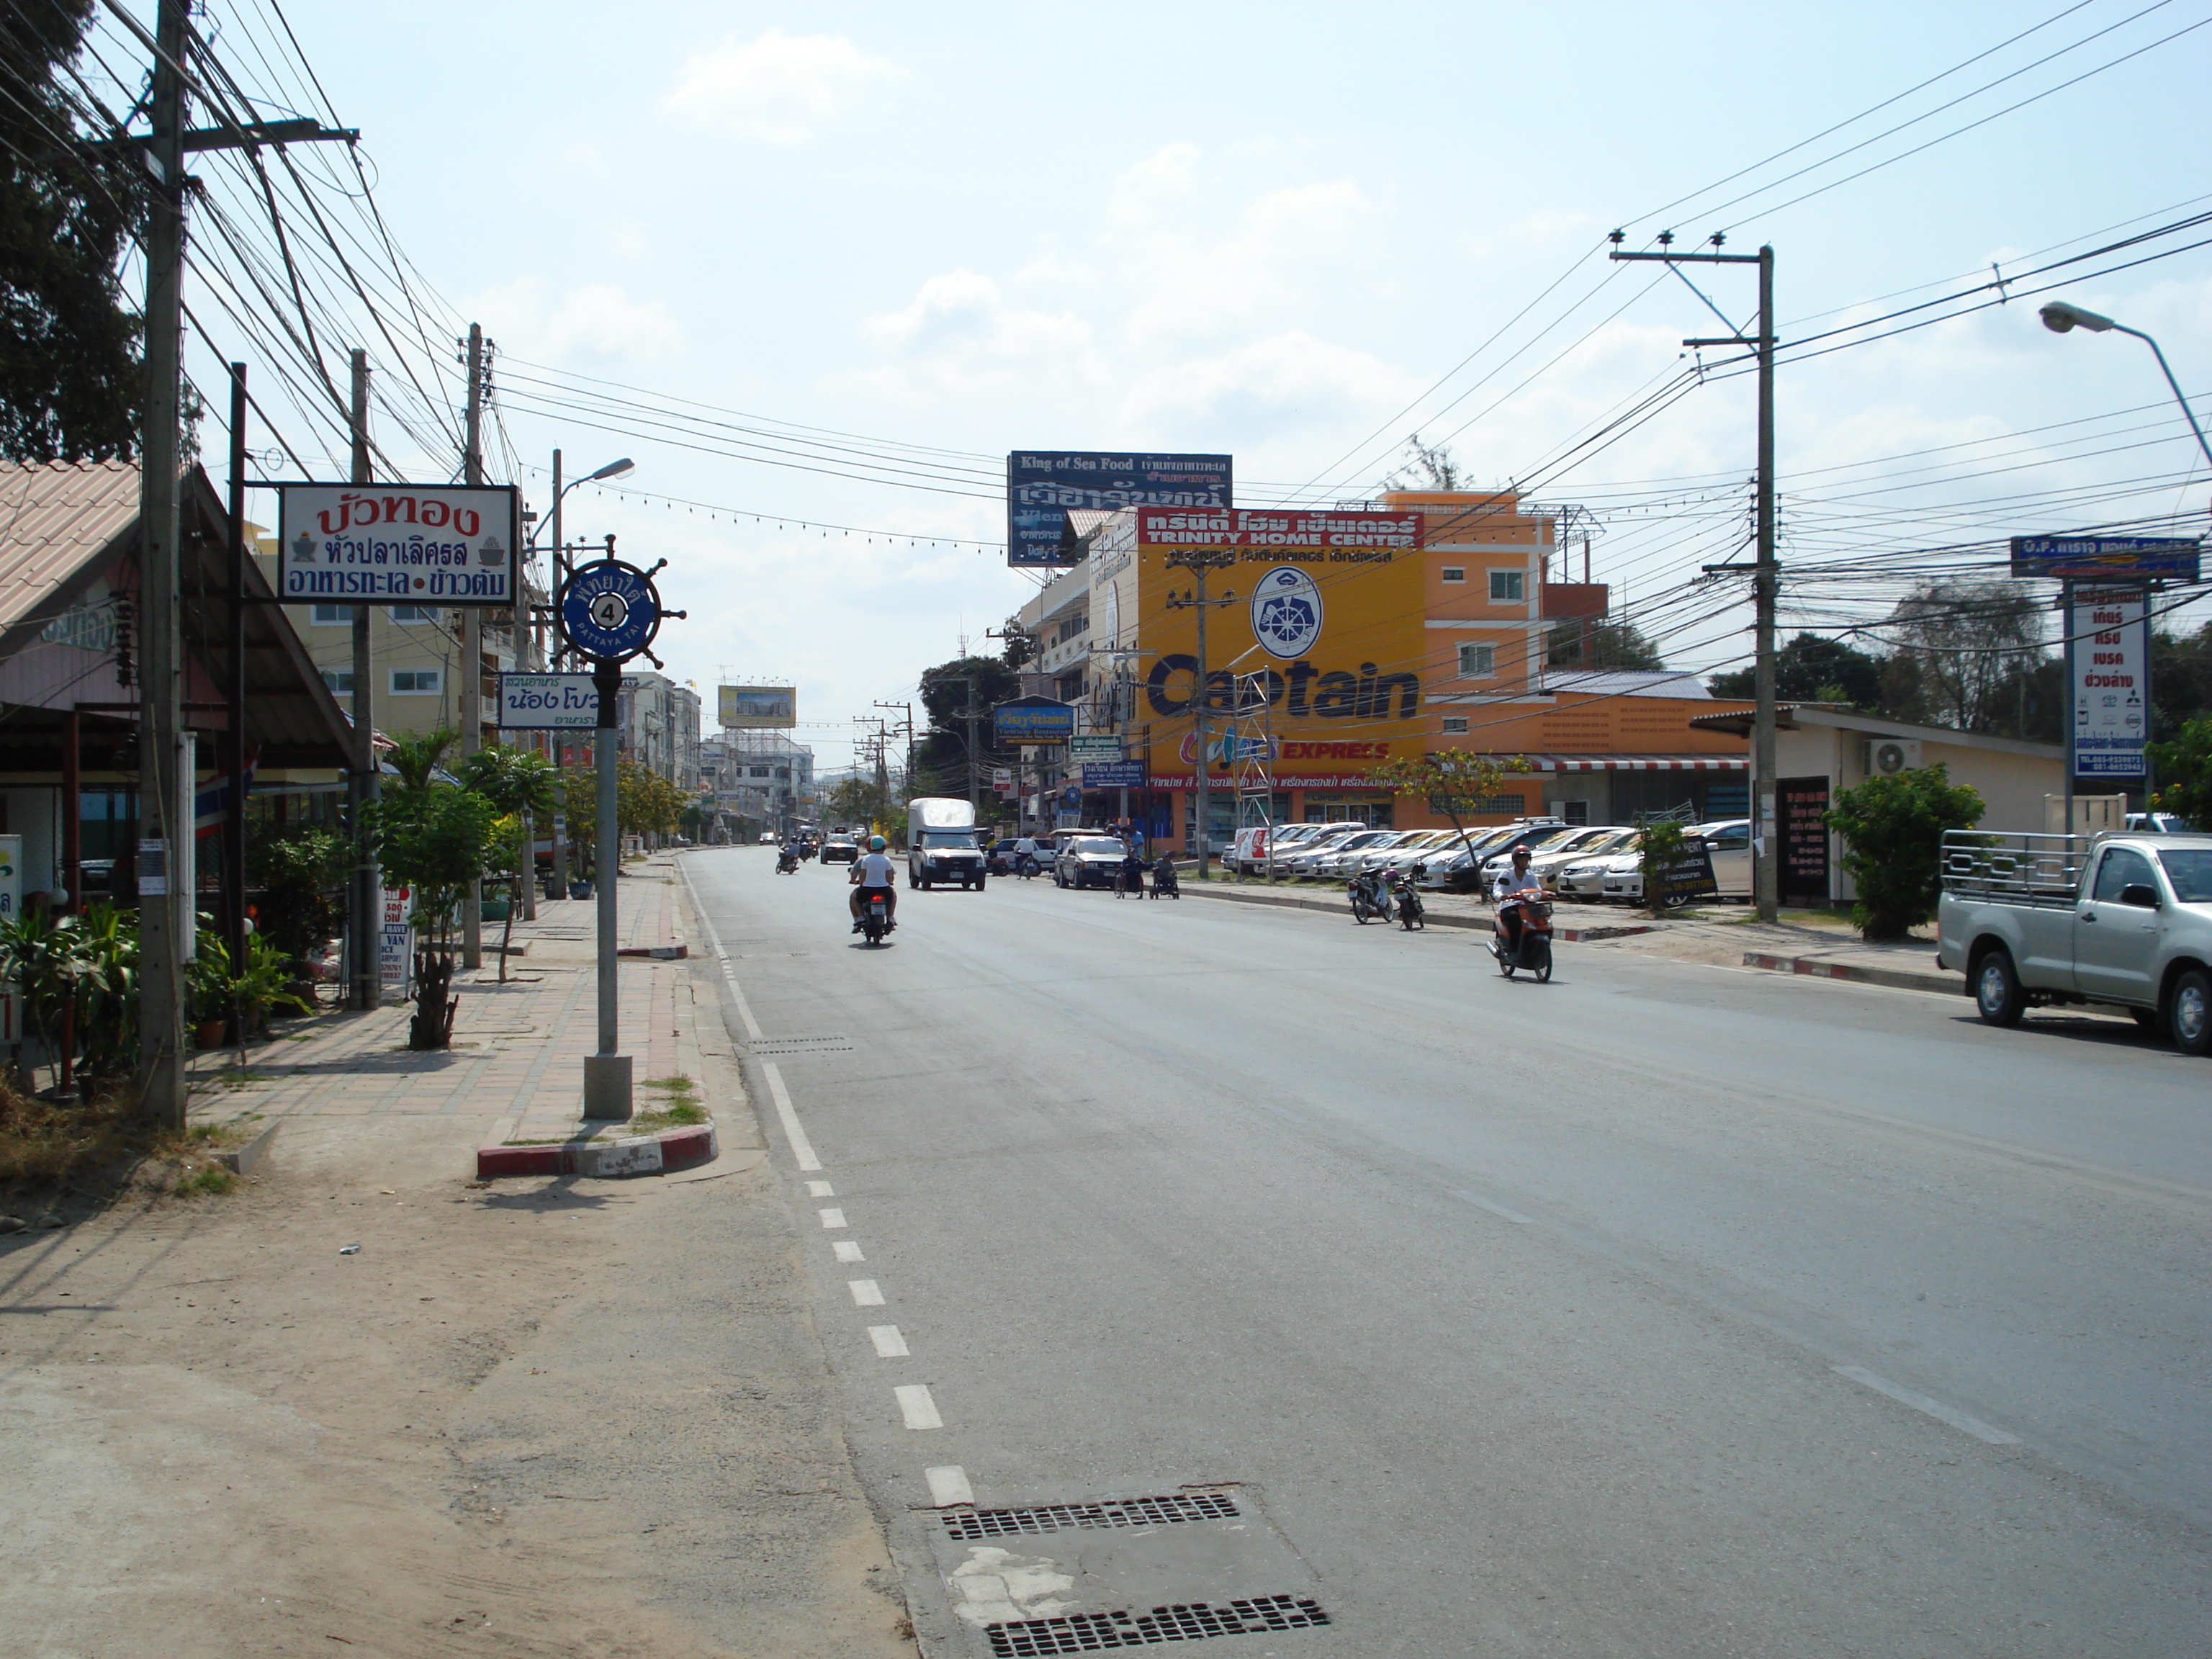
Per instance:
(208,1034)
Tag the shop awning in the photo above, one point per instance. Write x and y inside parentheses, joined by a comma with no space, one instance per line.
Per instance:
(1636,763)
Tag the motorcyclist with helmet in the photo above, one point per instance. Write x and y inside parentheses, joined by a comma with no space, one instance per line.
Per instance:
(1506,892)
(873,869)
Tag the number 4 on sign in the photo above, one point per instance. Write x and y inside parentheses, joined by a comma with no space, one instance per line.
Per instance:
(610,611)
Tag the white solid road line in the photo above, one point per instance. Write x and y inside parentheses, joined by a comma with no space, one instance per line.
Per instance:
(865,1294)
(714,941)
(847,1251)
(890,1345)
(819,1189)
(801,1148)
(1495,1209)
(1935,1408)
(831,1217)
(948,1486)
(916,1407)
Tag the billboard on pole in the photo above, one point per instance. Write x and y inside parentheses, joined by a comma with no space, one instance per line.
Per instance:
(757,707)
(2107,558)
(2108,661)
(1043,486)
(436,544)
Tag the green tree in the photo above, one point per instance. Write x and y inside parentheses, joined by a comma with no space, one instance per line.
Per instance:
(1892,829)
(1456,782)
(1658,850)
(1964,642)
(522,784)
(856,801)
(1427,467)
(1018,646)
(297,868)
(431,837)
(1600,645)
(70,383)
(1809,669)
(2185,763)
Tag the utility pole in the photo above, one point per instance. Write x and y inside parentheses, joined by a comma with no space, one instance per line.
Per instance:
(362,907)
(234,736)
(161,855)
(1765,866)
(471,686)
(1198,561)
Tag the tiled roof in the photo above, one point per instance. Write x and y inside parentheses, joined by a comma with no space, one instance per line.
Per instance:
(55,517)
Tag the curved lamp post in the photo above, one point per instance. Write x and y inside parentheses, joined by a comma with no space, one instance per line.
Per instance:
(2061,317)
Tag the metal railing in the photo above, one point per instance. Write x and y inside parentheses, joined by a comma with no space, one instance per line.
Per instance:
(2015,866)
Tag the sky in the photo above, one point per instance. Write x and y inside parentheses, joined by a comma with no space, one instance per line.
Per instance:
(1295,234)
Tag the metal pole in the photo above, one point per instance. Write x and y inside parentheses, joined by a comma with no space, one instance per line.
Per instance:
(161,975)
(362,909)
(560,576)
(606,1074)
(233,739)
(2066,631)
(1765,860)
(1201,801)
(472,687)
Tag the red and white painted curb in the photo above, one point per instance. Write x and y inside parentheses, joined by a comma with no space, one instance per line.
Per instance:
(655,952)
(1942,983)
(637,1155)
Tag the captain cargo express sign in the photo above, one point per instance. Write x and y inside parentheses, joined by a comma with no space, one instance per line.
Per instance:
(1327,610)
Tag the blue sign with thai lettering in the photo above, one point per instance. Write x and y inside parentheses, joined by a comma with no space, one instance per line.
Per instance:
(2107,558)
(1033,720)
(1113,775)
(1043,486)
(610,609)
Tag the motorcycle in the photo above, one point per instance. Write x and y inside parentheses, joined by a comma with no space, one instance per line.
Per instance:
(1410,914)
(787,863)
(1369,898)
(1534,952)
(875,915)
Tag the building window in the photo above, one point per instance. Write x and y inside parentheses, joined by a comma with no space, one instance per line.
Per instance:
(757,772)
(1454,725)
(333,616)
(1455,573)
(414,682)
(340,682)
(1477,662)
(1508,587)
(414,613)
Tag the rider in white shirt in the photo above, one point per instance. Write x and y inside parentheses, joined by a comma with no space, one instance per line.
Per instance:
(872,869)
(1024,848)
(1510,881)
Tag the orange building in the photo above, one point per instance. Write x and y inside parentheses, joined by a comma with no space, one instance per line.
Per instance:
(1419,623)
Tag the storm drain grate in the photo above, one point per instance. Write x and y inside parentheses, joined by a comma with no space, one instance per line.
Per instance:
(786,1047)
(1194,1621)
(1109,1512)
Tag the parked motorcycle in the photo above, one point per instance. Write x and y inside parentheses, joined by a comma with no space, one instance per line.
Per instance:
(1409,912)
(875,915)
(1370,898)
(1534,952)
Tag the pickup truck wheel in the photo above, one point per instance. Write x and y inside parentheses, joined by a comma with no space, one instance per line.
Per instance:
(1997,996)
(2189,1013)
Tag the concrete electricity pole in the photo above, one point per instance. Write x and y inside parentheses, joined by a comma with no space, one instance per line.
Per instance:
(1766,868)
(472,687)
(1198,561)
(361,914)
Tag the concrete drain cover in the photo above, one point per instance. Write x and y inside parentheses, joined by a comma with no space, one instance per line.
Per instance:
(788,1046)
(1122,1572)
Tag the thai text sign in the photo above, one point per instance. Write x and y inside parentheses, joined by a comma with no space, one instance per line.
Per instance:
(1804,831)
(425,544)
(1113,775)
(2105,558)
(1095,746)
(1288,538)
(1690,875)
(1032,720)
(547,702)
(2108,659)
(1043,486)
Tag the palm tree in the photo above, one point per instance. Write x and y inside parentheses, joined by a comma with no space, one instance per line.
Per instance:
(522,784)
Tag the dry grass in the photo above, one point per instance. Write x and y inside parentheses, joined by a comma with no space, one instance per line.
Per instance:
(58,1154)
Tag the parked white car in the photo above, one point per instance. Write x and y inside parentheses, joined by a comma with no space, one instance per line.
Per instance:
(1300,860)
(1590,843)
(1337,859)
(1581,875)
(1727,843)
(1404,849)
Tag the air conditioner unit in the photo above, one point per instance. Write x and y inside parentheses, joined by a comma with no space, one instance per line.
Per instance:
(1887,757)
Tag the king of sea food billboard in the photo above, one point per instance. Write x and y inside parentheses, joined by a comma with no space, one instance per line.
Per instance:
(442,544)
(1327,615)
(1044,485)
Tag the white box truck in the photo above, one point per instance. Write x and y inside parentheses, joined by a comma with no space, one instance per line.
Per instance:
(940,843)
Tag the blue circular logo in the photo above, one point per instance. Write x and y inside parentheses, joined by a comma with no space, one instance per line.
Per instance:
(1286,612)
(610,609)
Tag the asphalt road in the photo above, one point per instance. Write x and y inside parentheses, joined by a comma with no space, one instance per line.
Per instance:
(1662,1309)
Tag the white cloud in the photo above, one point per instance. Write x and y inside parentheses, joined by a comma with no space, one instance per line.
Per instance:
(1289,380)
(959,337)
(778,89)
(597,319)
(1539,232)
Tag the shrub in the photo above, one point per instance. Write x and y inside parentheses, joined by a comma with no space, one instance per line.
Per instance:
(1892,829)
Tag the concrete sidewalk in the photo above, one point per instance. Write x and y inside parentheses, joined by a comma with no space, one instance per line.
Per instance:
(518,1051)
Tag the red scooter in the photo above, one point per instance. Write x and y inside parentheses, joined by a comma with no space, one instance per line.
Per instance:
(1533,949)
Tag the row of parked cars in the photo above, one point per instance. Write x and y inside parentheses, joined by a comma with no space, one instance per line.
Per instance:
(1577,861)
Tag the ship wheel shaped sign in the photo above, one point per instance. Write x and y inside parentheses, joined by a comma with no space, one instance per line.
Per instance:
(611,609)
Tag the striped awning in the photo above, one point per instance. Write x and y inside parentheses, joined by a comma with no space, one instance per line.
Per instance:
(1637,763)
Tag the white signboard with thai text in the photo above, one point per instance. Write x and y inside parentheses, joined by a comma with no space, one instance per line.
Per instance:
(547,702)
(429,545)
(2110,662)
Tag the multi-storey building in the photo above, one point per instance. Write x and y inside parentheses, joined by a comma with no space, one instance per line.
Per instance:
(763,777)
(657,722)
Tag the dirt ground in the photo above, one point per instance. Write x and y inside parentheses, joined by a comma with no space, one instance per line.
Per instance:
(556,1417)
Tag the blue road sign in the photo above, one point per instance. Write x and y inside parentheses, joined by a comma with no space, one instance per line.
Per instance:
(1113,775)
(2107,558)
(610,609)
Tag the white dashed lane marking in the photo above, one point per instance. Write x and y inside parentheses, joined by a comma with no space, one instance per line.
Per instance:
(916,1407)
(890,1345)
(847,1250)
(819,1189)
(949,1486)
(865,1294)
(833,1217)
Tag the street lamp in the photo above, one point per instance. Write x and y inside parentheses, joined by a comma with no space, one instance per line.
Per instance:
(2061,317)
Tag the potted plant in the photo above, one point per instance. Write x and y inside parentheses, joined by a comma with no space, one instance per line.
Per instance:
(265,986)
(207,990)
(431,837)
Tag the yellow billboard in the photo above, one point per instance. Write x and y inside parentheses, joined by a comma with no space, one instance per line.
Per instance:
(757,707)
(1325,609)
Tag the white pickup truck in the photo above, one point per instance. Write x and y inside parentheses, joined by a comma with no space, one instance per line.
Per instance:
(2120,920)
